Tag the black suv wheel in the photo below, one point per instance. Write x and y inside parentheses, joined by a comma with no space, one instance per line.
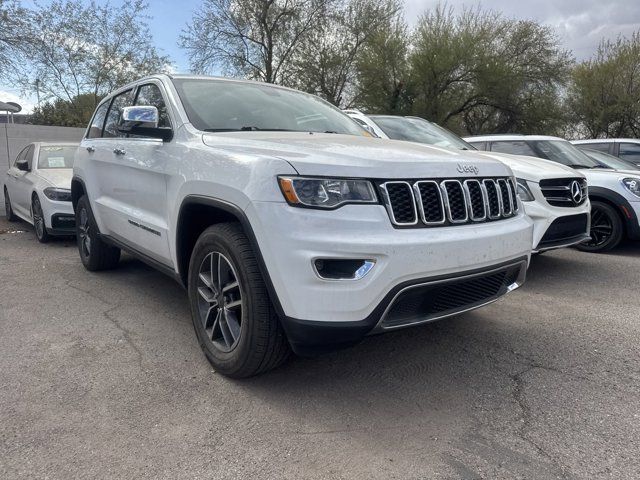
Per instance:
(94,252)
(606,231)
(232,314)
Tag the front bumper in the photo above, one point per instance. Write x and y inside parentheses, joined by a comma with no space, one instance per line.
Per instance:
(59,217)
(291,238)
(546,217)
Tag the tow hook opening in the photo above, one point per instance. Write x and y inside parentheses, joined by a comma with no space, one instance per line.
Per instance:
(342,268)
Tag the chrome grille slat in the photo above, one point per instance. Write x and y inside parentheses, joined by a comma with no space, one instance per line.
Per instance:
(449,201)
(557,191)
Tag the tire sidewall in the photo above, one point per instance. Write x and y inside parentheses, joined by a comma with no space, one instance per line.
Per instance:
(224,361)
(7,205)
(35,204)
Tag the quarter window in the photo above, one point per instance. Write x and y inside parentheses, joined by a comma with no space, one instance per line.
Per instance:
(22,154)
(113,116)
(150,95)
(95,130)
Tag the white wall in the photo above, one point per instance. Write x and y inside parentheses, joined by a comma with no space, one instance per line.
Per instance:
(14,137)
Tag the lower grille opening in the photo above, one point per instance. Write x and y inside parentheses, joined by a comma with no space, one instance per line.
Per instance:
(565,228)
(422,303)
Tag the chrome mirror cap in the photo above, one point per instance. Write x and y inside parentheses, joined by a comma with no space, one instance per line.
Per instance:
(139,116)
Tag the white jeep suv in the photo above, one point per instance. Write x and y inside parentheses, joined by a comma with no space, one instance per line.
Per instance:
(614,195)
(289,228)
(559,221)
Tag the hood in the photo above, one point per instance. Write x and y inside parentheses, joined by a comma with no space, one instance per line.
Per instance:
(57,177)
(326,154)
(532,168)
(597,175)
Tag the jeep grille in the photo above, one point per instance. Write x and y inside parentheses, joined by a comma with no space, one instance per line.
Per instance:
(420,203)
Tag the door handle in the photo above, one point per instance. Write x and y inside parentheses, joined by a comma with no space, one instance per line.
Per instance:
(91,149)
(119,151)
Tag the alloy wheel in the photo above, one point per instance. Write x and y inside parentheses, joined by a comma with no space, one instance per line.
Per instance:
(601,228)
(220,303)
(7,205)
(38,218)
(84,232)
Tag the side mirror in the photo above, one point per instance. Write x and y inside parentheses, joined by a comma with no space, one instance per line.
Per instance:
(143,120)
(22,165)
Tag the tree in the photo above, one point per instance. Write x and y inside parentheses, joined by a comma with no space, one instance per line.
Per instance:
(325,63)
(382,71)
(250,38)
(13,20)
(604,96)
(479,72)
(65,113)
(78,49)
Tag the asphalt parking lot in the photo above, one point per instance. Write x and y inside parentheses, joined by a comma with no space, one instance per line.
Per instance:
(101,376)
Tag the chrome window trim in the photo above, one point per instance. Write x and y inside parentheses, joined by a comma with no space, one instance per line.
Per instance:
(445,195)
(418,195)
(485,202)
(387,202)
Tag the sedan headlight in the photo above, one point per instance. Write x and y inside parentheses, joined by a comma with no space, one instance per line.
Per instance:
(523,190)
(633,185)
(58,194)
(326,192)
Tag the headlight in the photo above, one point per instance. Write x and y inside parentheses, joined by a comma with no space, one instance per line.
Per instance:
(58,194)
(326,192)
(633,185)
(523,190)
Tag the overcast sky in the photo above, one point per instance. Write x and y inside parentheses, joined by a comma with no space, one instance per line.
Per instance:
(580,24)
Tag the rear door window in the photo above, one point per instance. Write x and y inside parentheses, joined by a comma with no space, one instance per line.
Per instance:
(113,115)
(630,151)
(516,147)
(601,147)
(95,130)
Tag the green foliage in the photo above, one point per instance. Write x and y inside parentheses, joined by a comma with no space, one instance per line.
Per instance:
(76,48)
(65,113)
(474,72)
(604,97)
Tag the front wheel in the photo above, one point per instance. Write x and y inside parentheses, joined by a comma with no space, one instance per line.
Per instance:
(8,210)
(38,221)
(232,314)
(95,254)
(606,231)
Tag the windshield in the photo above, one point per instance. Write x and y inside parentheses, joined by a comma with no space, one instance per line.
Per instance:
(563,152)
(420,131)
(56,157)
(220,106)
(609,160)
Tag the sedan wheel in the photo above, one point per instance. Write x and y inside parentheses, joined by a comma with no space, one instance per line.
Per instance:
(8,210)
(38,221)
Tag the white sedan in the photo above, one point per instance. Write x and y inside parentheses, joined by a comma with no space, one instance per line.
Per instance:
(37,188)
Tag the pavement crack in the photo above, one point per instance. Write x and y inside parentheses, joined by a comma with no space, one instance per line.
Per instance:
(526,420)
(126,333)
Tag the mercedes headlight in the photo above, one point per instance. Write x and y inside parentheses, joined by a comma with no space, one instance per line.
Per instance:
(523,190)
(326,192)
(58,194)
(633,185)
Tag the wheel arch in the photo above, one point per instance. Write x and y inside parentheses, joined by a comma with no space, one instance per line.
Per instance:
(622,207)
(77,190)
(195,215)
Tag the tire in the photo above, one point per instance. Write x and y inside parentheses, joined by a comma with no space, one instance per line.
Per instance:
(236,324)
(607,230)
(94,252)
(8,210)
(38,220)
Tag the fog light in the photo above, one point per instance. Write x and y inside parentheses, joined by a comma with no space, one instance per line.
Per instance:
(342,269)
